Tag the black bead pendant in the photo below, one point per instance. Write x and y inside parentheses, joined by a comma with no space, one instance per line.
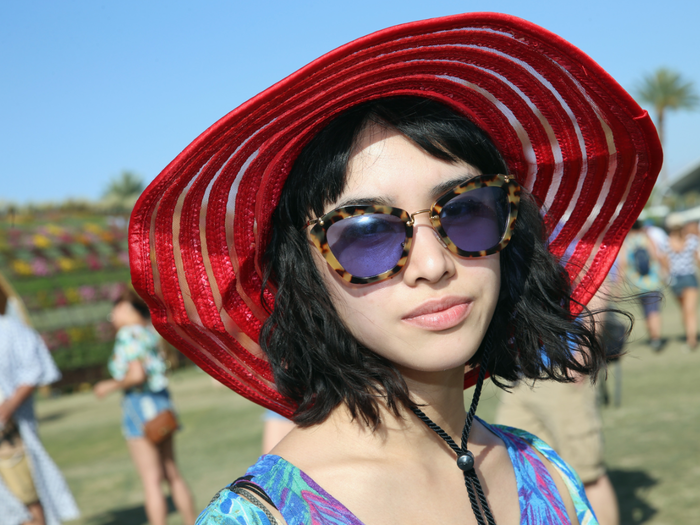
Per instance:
(466,462)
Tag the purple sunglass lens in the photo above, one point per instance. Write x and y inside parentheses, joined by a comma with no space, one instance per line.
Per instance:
(367,245)
(476,220)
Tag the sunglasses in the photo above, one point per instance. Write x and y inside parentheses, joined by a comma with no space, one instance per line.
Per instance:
(368,244)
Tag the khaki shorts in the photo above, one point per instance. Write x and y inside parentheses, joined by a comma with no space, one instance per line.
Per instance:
(15,471)
(563,415)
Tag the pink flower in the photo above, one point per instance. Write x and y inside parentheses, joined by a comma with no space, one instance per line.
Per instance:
(40,266)
(93,261)
(62,338)
(104,331)
(49,340)
(61,299)
(123,258)
(87,293)
(112,291)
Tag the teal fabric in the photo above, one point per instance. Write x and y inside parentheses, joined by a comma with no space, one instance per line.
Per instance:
(133,343)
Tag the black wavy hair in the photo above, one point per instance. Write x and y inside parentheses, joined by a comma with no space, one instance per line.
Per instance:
(317,362)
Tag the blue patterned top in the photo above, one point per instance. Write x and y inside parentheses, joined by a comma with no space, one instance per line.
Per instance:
(136,342)
(303,502)
(651,282)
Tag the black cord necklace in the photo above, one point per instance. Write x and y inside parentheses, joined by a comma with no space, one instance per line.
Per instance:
(465,459)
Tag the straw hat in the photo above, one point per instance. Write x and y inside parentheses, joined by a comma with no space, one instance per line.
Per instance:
(568,132)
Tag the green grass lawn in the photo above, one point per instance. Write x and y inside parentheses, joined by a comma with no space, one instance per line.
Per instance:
(652,439)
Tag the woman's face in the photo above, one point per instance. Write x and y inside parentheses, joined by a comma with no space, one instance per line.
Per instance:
(124,314)
(433,315)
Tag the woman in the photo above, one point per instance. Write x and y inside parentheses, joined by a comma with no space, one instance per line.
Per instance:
(358,243)
(139,370)
(640,261)
(32,488)
(681,258)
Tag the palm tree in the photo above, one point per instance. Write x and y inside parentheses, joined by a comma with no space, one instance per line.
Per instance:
(664,89)
(122,191)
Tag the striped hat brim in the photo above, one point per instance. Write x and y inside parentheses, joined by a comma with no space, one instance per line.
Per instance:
(567,131)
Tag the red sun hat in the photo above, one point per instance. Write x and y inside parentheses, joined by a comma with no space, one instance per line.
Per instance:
(567,131)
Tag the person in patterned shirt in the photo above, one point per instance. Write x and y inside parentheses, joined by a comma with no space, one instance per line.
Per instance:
(32,489)
(138,369)
(681,258)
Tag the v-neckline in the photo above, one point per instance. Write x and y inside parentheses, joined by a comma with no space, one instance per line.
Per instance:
(354,520)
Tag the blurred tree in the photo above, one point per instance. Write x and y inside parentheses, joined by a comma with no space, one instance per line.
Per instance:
(665,89)
(73,206)
(122,191)
(691,199)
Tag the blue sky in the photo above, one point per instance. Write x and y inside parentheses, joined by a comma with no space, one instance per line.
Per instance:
(91,88)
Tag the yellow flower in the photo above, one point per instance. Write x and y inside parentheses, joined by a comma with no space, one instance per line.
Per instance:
(93,228)
(44,299)
(72,295)
(75,334)
(66,264)
(54,230)
(41,241)
(21,267)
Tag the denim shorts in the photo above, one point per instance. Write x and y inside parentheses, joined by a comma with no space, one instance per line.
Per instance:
(651,302)
(139,407)
(681,282)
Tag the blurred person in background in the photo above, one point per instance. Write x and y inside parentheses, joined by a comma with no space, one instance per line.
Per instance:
(274,429)
(138,370)
(32,489)
(680,259)
(692,228)
(641,265)
(657,235)
(566,417)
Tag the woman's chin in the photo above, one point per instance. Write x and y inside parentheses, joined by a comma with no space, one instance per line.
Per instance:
(433,371)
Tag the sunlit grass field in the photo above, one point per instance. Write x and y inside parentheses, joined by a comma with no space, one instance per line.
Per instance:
(652,439)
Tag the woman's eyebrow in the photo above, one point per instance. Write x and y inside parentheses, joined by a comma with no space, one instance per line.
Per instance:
(364,201)
(446,186)
(436,192)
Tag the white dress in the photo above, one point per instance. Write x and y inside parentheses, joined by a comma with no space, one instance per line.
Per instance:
(25,360)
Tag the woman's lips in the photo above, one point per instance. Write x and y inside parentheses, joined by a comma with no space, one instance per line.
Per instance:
(439,316)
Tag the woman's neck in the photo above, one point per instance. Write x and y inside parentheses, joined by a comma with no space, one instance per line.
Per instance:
(439,395)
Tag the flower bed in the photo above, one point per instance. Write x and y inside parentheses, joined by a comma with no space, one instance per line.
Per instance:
(49,250)
(68,272)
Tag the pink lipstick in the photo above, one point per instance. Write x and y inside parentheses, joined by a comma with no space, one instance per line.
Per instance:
(439,315)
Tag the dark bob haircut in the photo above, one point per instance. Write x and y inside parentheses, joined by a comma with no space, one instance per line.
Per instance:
(317,362)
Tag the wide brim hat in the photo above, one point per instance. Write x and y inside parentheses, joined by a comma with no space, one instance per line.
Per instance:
(567,131)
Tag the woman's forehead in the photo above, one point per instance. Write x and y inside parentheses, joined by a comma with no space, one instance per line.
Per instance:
(385,165)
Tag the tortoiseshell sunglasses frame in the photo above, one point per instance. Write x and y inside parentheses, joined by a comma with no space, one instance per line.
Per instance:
(321,225)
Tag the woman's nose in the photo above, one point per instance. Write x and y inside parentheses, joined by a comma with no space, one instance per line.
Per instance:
(429,259)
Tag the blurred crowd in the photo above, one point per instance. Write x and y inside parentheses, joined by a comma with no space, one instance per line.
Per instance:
(662,262)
